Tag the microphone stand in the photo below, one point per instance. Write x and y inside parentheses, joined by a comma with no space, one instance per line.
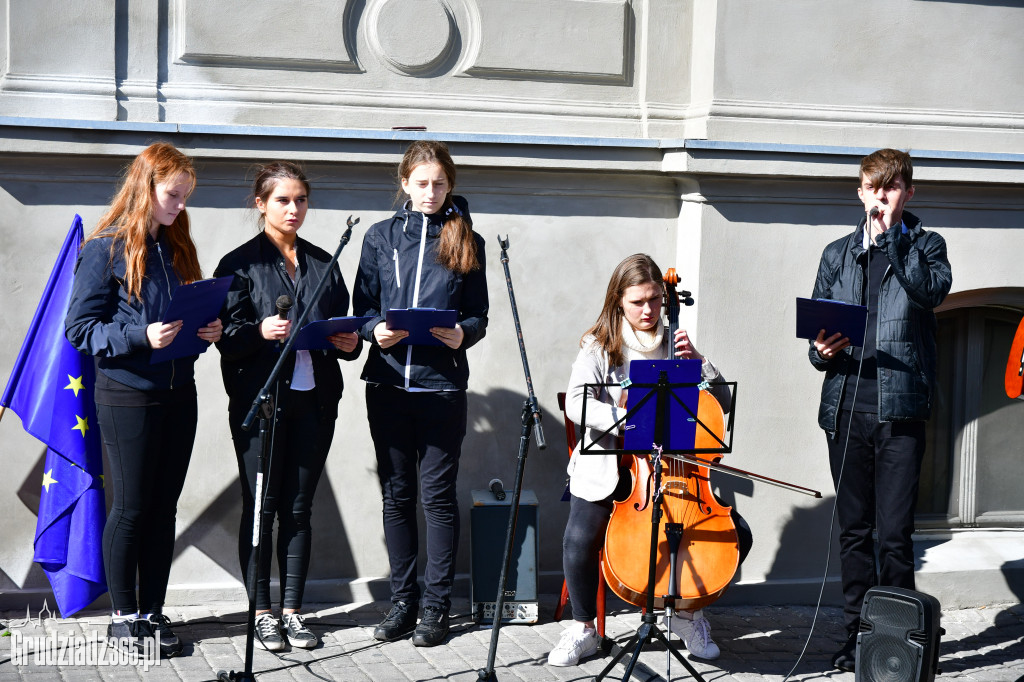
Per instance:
(531,418)
(264,404)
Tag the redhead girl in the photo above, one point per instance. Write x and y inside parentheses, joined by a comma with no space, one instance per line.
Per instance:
(129,267)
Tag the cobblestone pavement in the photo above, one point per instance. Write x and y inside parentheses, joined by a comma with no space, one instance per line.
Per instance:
(758,643)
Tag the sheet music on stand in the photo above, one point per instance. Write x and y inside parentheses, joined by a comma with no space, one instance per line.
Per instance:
(640,410)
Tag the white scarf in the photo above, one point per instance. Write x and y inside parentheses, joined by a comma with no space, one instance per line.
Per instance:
(642,344)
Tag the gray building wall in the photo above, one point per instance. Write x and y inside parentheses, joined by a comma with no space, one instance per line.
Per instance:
(721,136)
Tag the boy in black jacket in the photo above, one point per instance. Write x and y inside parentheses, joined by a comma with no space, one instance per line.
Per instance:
(875,400)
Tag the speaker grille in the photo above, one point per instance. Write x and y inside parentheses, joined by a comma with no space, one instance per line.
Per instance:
(890,648)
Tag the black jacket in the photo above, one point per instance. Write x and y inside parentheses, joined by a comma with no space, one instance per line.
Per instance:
(260,278)
(103,322)
(916,281)
(388,270)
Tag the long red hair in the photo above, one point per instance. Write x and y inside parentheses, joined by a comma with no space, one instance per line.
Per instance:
(131,213)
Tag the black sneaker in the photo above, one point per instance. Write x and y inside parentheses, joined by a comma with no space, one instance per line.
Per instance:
(268,634)
(131,634)
(170,644)
(400,621)
(433,627)
(846,658)
(296,632)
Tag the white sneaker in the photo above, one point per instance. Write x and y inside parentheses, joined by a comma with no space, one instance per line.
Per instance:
(577,642)
(696,635)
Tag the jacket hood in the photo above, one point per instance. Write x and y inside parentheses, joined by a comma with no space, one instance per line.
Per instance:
(435,221)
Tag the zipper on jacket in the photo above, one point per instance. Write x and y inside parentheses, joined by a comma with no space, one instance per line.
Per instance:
(415,295)
(167,280)
(398,274)
(878,327)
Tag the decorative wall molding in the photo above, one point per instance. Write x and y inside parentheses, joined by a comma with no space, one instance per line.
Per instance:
(256,35)
(54,85)
(183,92)
(807,112)
(414,39)
(580,41)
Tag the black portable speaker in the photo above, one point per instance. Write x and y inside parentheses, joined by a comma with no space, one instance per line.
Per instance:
(899,636)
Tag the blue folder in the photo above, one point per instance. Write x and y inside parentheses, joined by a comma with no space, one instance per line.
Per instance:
(196,305)
(314,335)
(418,321)
(680,427)
(815,314)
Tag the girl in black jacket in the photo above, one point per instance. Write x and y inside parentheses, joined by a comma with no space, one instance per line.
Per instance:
(426,256)
(129,267)
(277,262)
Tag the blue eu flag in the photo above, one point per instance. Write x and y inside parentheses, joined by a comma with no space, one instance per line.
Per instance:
(51,389)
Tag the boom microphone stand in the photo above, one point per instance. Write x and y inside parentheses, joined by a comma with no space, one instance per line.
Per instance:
(531,422)
(264,404)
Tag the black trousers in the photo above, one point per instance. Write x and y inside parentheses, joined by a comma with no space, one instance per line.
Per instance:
(417,437)
(583,539)
(148,449)
(300,447)
(877,493)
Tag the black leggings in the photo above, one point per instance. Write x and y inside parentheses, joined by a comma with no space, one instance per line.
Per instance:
(148,448)
(301,443)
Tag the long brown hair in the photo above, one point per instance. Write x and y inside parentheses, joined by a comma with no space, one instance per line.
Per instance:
(131,213)
(634,270)
(456,249)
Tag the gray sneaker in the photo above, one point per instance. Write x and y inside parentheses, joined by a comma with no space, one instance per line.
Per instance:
(297,633)
(268,634)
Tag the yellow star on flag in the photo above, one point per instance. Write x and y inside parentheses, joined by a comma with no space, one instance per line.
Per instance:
(76,384)
(48,479)
(82,425)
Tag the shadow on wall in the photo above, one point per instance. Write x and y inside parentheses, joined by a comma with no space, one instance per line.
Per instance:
(214,532)
(358,187)
(491,450)
(804,546)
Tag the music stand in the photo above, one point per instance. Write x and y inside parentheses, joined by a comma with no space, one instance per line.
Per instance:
(667,401)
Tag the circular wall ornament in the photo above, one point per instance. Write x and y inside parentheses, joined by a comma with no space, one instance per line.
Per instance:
(411,37)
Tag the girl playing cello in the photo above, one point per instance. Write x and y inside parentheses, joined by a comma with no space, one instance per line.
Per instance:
(629,328)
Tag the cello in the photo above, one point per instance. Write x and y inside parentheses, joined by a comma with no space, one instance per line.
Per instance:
(697,546)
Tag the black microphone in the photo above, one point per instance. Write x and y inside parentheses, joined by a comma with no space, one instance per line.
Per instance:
(284,304)
(872,214)
(497,488)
